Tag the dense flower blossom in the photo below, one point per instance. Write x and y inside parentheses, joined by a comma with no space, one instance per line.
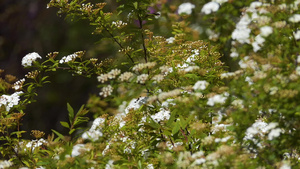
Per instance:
(242,32)
(68,58)
(295,18)
(95,131)
(125,76)
(210,7)
(78,149)
(5,164)
(170,40)
(35,143)
(106,91)
(30,58)
(266,31)
(217,99)
(18,84)
(200,85)
(161,115)
(10,100)
(186,8)
(142,78)
(141,66)
(296,35)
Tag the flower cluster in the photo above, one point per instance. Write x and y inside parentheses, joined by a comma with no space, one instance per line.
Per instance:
(139,67)
(106,91)
(18,84)
(10,101)
(68,58)
(30,58)
(110,75)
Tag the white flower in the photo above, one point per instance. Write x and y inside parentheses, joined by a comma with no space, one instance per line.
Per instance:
(274,133)
(295,18)
(266,31)
(78,149)
(170,40)
(220,1)
(298,70)
(210,7)
(297,35)
(95,131)
(150,166)
(161,115)
(10,101)
(30,58)
(68,58)
(200,85)
(217,99)
(186,8)
(109,164)
(106,91)
(5,164)
(35,143)
(142,78)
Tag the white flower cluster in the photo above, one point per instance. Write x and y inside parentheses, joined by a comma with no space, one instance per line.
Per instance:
(158,78)
(164,95)
(95,131)
(110,75)
(141,66)
(295,18)
(119,24)
(125,76)
(161,115)
(217,99)
(106,91)
(10,100)
(18,84)
(78,149)
(30,58)
(231,74)
(5,164)
(68,58)
(265,31)
(296,35)
(200,85)
(260,128)
(170,40)
(210,7)
(35,143)
(142,78)
(186,8)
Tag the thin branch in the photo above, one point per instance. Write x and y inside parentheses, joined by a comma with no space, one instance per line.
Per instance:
(143,39)
(112,36)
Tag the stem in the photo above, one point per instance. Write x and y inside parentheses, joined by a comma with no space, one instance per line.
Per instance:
(112,36)
(143,41)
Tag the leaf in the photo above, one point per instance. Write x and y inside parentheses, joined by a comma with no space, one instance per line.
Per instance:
(135,4)
(176,127)
(71,131)
(71,112)
(58,134)
(64,124)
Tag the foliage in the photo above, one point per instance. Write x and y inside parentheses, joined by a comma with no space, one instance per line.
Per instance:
(169,102)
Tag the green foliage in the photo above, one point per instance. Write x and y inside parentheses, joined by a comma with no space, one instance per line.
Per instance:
(169,102)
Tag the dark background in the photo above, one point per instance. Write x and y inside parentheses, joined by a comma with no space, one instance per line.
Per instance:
(28,26)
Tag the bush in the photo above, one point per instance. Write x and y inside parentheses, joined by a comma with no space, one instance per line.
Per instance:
(166,100)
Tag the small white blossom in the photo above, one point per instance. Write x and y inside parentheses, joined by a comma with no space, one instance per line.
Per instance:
(106,91)
(35,143)
(274,133)
(266,31)
(298,70)
(297,35)
(5,164)
(10,100)
(95,131)
(161,115)
(200,85)
(142,78)
(109,164)
(78,149)
(170,40)
(220,1)
(68,58)
(186,8)
(217,99)
(295,18)
(30,58)
(125,76)
(210,7)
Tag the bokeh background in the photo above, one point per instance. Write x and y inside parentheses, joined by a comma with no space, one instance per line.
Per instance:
(28,26)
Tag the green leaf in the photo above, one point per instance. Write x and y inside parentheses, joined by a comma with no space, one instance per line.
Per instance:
(64,124)
(71,112)
(58,134)
(71,131)
(135,4)
(176,127)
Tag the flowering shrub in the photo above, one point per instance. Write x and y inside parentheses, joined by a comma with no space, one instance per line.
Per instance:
(170,101)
